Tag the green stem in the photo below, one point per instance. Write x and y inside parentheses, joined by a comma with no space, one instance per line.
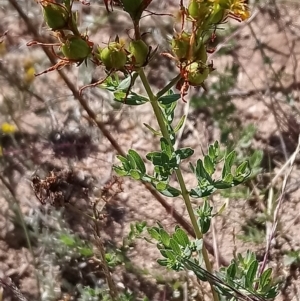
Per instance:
(171,84)
(184,191)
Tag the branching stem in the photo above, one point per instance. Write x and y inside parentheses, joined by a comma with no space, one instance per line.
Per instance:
(185,194)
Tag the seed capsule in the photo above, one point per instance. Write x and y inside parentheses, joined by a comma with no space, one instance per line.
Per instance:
(139,50)
(113,56)
(76,48)
(197,73)
(133,8)
(56,15)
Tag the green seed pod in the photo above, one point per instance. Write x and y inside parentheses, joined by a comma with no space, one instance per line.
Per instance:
(199,10)
(113,56)
(76,48)
(55,15)
(180,45)
(197,73)
(134,8)
(139,50)
(217,15)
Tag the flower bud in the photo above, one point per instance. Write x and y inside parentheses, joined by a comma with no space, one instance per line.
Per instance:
(55,15)
(76,48)
(139,51)
(113,56)
(197,73)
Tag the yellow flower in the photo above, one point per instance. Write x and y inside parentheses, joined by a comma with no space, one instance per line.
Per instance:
(237,8)
(7,128)
(240,9)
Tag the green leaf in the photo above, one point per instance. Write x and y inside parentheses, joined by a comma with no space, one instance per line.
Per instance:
(251,274)
(204,223)
(138,160)
(131,161)
(208,165)
(170,192)
(179,124)
(111,83)
(154,233)
(198,192)
(167,99)
(119,96)
(165,237)
(242,168)
(135,174)
(229,160)
(165,162)
(120,171)
(184,153)
(140,226)
(175,247)
(181,237)
(127,82)
(155,158)
(243,171)
(214,150)
(228,178)
(231,271)
(250,256)
(160,186)
(162,262)
(133,99)
(152,130)
(124,162)
(265,278)
(201,172)
(199,271)
(222,185)
(163,252)
(205,216)
(166,147)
